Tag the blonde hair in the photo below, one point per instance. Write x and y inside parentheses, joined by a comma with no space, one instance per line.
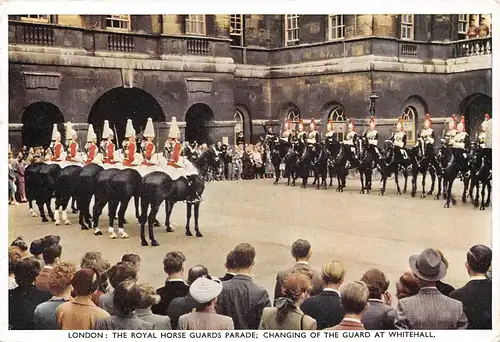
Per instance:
(354,297)
(148,296)
(333,272)
(61,276)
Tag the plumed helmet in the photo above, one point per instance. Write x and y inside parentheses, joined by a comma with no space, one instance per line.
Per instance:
(91,136)
(69,131)
(329,125)
(461,124)
(55,133)
(129,129)
(312,125)
(174,132)
(428,120)
(149,131)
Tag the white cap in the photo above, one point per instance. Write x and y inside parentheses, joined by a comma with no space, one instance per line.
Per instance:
(91,136)
(174,132)
(69,130)
(149,131)
(204,290)
(106,132)
(55,133)
(129,130)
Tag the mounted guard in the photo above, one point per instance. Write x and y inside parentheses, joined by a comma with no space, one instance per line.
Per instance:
(107,144)
(72,144)
(399,140)
(351,139)
(428,134)
(174,135)
(91,147)
(484,127)
(372,137)
(329,131)
(313,136)
(301,134)
(451,132)
(131,157)
(56,146)
(150,155)
(287,133)
(461,144)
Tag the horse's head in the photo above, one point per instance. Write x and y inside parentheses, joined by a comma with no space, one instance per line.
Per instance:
(388,149)
(207,160)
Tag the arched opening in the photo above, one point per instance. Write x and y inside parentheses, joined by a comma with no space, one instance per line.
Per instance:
(335,111)
(247,121)
(291,112)
(198,117)
(38,119)
(413,108)
(473,109)
(240,124)
(120,104)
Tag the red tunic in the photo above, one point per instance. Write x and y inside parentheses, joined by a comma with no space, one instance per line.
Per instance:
(92,153)
(72,150)
(110,153)
(176,153)
(130,157)
(57,151)
(149,150)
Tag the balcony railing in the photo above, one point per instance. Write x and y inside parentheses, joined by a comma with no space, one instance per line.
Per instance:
(409,50)
(474,47)
(120,42)
(38,35)
(198,47)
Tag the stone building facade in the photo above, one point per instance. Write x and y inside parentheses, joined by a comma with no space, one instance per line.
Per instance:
(218,74)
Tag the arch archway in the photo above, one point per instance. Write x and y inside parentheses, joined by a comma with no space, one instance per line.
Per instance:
(335,111)
(290,111)
(120,104)
(473,108)
(247,120)
(413,108)
(38,119)
(198,116)
(240,123)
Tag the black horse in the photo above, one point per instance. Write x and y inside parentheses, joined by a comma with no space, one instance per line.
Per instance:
(157,187)
(320,166)
(366,165)
(87,187)
(33,184)
(66,189)
(305,163)
(421,163)
(480,168)
(390,164)
(334,147)
(278,150)
(116,187)
(47,178)
(344,162)
(291,160)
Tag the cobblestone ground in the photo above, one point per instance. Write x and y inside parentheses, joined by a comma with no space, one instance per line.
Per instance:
(362,231)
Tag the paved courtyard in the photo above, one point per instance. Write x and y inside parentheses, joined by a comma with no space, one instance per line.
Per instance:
(362,231)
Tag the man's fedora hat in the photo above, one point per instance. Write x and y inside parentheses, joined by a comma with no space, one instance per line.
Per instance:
(428,265)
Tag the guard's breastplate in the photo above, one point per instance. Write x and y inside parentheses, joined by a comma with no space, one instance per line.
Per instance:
(286,134)
(329,134)
(371,135)
(482,137)
(460,137)
(399,136)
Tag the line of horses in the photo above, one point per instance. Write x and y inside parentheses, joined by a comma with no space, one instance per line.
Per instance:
(115,187)
(332,158)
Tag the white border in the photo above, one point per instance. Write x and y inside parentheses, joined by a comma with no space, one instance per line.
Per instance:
(254,6)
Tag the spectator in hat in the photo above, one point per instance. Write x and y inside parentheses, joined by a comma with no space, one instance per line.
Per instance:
(376,316)
(51,256)
(126,299)
(81,313)
(325,307)
(59,282)
(429,309)
(25,297)
(286,315)
(354,298)
(148,299)
(477,293)
(182,305)
(205,291)
(120,272)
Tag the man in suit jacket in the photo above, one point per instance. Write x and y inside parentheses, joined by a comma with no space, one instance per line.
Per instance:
(476,294)
(173,265)
(301,251)
(51,255)
(325,307)
(354,299)
(376,316)
(429,309)
(230,267)
(241,298)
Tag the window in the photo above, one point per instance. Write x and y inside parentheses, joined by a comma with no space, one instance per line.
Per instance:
(118,22)
(473,26)
(35,18)
(238,127)
(336,27)
(409,115)
(294,117)
(291,29)
(339,122)
(463,26)
(236,29)
(407,26)
(195,24)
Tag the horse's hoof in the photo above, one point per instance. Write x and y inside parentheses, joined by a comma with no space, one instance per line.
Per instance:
(98,233)
(84,228)
(44,219)
(144,243)
(464,200)
(437,197)
(422,196)
(381,194)
(113,235)
(482,207)
(156,224)
(58,223)
(198,234)
(154,243)
(170,230)
(124,235)
(404,191)
(67,222)
(429,193)
(74,211)
(188,233)
(413,194)
(487,205)
(125,221)
(447,205)
(453,201)
(361,191)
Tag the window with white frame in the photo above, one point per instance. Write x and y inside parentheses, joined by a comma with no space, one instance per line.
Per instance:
(336,27)
(407,26)
(35,18)
(236,29)
(118,22)
(195,24)
(337,115)
(463,25)
(291,29)
(409,123)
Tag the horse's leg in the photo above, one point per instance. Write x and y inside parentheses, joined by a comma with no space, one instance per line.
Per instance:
(136,205)
(152,215)
(169,206)
(188,218)
(48,203)
(196,216)
(41,209)
(383,182)
(396,180)
(448,193)
(121,218)
(488,199)
(476,198)
(30,206)
(64,207)
(433,180)
(277,173)
(424,175)
(440,182)
(483,187)
(112,207)
(99,204)
(414,176)
(74,205)
(324,177)
(464,191)
(143,220)
(361,179)
(81,217)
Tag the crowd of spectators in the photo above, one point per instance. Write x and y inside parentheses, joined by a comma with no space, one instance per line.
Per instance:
(47,292)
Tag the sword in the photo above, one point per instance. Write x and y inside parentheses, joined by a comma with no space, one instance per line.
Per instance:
(157,140)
